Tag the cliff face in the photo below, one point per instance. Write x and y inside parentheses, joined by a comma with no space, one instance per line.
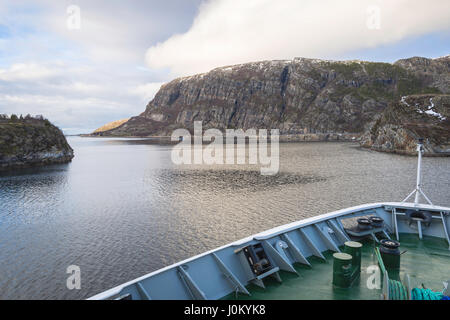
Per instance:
(296,96)
(432,72)
(410,118)
(31,142)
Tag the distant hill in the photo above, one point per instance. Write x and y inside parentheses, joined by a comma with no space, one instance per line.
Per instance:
(110,125)
(299,96)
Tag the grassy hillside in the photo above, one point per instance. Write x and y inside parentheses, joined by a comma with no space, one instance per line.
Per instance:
(111,125)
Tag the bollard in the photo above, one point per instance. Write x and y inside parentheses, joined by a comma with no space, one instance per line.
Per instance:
(342,270)
(353,248)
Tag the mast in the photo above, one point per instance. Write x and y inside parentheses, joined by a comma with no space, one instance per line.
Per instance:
(419,168)
(418,190)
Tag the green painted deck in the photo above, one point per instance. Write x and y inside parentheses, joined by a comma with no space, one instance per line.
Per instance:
(427,262)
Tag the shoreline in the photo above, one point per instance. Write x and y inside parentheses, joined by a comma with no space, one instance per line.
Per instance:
(307,137)
(17,165)
(407,153)
(301,138)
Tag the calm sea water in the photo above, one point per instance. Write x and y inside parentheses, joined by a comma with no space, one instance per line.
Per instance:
(121,209)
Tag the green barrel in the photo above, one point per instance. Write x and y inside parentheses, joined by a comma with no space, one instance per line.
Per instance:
(353,248)
(342,270)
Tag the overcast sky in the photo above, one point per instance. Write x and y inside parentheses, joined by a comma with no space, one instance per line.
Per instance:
(105,62)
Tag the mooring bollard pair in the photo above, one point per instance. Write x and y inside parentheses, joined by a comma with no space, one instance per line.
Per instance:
(347,265)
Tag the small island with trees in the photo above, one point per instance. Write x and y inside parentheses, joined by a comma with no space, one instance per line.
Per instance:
(31,141)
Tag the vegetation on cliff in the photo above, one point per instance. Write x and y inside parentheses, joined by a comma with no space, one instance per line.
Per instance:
(31,141)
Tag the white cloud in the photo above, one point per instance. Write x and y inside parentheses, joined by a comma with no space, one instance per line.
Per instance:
(62,111)
(228,32)
(71,95)
(117,31)
(88,77)
(27,72)
(147,91)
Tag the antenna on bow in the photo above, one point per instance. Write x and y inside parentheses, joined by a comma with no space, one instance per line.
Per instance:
(418,190)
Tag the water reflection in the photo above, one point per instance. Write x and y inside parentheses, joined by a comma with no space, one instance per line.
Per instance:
(121,209)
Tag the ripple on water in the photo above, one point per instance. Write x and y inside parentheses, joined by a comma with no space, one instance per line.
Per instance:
(121,209)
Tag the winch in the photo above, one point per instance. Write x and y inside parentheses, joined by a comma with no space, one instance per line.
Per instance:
(390,253)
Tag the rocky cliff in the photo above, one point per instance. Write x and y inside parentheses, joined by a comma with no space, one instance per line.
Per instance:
(300,96)
(31,142)
(410,118)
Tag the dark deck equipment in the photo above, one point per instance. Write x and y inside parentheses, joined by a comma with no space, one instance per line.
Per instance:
(342,270)
(368,228)
(425,217)
(353,248)
(390,253)
(257,264)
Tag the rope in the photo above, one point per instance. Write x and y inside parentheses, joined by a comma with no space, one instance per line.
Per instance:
(397,291)
(426,294)
(380,260)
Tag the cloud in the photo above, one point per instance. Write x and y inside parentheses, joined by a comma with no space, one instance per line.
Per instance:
(117,31)
(62,111)
(88,77)
(83,78)
(229,32)
(71,95)
(26,72)
(147,91)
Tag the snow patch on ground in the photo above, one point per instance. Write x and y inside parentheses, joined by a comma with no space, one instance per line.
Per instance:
(430,109)
(431,112)
(403,100)
(447,56)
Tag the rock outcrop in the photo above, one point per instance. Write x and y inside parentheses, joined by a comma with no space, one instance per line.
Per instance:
(410,118)
(300,96)
(31,142)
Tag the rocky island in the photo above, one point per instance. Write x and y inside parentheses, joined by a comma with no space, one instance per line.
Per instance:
(410,118)
(306,99)
(31,141)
